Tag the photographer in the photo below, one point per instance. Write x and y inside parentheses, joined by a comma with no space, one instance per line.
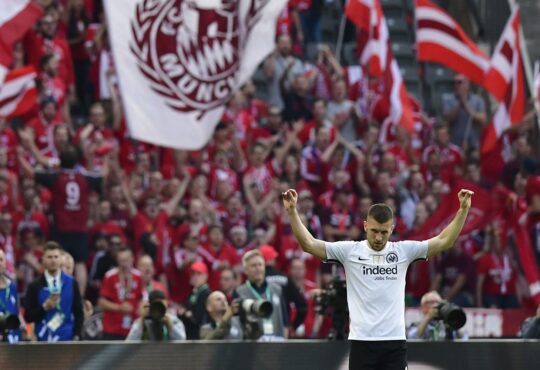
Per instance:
(9,306)
(274,326)
(530,329)
(155,324)
(223,322)
(432,327)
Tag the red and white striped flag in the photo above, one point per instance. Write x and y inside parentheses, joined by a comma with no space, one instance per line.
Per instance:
(378,58)
(505,81)
(18,93)
(16,17)
(440,39)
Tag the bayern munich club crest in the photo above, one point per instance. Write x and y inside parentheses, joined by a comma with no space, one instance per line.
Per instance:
(189,50)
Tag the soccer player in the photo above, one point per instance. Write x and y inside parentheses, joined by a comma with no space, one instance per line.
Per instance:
(375,270)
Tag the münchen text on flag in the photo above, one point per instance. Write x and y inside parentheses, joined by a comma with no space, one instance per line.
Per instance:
(378,58)
(180,60)
(505,81)
(440,39)
(16,17)
(18,93)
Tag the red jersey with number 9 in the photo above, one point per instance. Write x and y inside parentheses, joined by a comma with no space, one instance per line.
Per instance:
(70,201)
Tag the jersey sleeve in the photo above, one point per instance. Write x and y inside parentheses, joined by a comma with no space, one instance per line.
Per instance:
(415,250)
(338,251)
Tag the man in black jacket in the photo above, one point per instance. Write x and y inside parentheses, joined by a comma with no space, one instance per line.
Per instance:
(53,301)
(291,293)
(195,315)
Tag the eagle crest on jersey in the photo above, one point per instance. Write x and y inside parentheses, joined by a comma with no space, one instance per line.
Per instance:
(189,50)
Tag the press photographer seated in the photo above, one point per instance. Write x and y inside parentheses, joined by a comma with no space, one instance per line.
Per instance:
(155,324)
(223,322)
(442,320)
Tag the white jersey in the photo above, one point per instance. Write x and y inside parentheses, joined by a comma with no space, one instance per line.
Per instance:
(376,285)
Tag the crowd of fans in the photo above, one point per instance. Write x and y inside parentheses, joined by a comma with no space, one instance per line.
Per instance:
(136,217)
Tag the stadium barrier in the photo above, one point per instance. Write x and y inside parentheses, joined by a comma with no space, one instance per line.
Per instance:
(297,355)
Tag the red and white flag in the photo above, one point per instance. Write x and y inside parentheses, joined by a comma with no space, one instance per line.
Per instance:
(16,17)
(505,81)
(440,39)
(379,60)
(18,93)
(179,61)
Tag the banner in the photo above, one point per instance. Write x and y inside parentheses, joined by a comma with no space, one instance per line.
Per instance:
(179,61)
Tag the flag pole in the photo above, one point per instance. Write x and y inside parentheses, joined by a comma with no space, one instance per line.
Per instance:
(341,35)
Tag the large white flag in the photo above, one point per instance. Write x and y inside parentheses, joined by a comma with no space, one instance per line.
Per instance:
(178,61)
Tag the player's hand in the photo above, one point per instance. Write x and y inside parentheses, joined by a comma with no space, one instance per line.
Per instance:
(465,196)
(290,198)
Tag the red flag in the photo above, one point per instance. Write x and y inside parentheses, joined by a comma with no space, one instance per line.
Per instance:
(359,12)
(480,214)
(504,80)
(16,17)
(18,94)
(379,60)
(440,39)
(526,256)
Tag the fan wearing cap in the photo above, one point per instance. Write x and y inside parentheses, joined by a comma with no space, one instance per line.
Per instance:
(291,293)
(171,327)
(194,313)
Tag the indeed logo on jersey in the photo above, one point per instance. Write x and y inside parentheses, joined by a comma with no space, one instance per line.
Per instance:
(379,270)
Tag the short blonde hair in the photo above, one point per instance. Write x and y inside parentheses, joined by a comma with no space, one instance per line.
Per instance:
(249,255)
(433,294)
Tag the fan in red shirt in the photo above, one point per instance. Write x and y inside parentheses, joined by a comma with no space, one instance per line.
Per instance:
(47,40)
(220,255)
(449,155)
(119,297)
(71,187)
(153,223)
(496,275)
(30,217)
(258,109)
(44,123)
(8,143)
(7,242)
(183,256)
(105,225)
(145,265)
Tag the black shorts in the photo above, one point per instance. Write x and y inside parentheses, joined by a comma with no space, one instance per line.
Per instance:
(74,243)
(378,355)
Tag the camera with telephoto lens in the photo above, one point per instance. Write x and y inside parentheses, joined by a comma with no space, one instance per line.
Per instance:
(153,325)
(250,307)
(451,314)
(332,302)
(9,322)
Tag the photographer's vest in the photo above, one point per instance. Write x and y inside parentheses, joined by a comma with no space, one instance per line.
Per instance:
(272,293)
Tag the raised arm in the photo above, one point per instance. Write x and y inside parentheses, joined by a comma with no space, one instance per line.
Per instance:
(308,243)
(448,236)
